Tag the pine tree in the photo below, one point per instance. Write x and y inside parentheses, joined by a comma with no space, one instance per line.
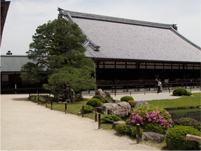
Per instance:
(57,49)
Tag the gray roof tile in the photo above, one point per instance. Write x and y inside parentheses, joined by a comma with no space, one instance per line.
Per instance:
(136,40)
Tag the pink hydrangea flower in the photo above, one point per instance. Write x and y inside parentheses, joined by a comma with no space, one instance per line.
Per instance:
(149,120)
(147,108)
(157,111)
(132,113)
(139,111)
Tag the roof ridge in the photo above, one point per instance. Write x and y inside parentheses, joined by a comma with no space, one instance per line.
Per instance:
(184,38)
(114,19)
(93,45)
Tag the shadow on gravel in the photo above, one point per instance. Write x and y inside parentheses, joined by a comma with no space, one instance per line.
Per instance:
(20,99)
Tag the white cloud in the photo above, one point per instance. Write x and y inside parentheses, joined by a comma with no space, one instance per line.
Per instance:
(24,16)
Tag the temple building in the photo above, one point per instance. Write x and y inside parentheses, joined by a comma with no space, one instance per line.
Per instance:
(126,53)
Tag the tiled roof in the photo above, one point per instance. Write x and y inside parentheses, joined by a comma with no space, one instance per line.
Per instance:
(120,38)
(13,63)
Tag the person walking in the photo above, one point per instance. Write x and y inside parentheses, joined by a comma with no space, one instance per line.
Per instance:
(159,86)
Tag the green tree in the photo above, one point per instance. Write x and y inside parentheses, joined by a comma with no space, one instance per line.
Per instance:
(57,49)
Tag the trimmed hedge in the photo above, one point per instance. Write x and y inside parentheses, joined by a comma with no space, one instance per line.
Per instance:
(181,91)
(132,103)
(122,129)
(87,109)
(176,138)
(110,118)
(105,99)
(94,102)
(127,98)
(188,122)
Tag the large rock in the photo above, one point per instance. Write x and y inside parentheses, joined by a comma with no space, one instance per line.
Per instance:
(107,94)
(110,101)
(120,109)
(100,109)
(101,93)
(152,136)
(139,103)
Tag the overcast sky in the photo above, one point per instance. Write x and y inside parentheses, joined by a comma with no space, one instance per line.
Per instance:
(24,16)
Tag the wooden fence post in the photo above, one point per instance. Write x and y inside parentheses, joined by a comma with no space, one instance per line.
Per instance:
(137,133)
(95,116)
(65,107)
(99,121)
(82,111)
(38,100)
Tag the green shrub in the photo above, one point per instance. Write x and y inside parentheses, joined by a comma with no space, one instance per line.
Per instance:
(133,132)
(176,137)
(151,118)
(189,93)
(155,127)
(188,122)
(87,109)
(132,103)
(110,118)
(94,102)
(126,98)
(181,91)
(105,99)
(122,129)
(32,98)
(54,99)
(96,96)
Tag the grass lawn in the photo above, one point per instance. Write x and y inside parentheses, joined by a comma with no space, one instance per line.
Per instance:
(184,101)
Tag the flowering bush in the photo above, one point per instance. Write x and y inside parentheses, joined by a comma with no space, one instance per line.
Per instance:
(151,118)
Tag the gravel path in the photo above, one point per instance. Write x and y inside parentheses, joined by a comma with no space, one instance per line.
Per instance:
(28,126)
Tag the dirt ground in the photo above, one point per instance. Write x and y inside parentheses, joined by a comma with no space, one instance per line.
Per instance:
(28,126)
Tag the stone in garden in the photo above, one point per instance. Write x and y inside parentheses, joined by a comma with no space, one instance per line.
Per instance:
(118,122)
(110,101)
(101,93)
(139,103)
(107,94)
(100,109)
(152,136)
(120,109)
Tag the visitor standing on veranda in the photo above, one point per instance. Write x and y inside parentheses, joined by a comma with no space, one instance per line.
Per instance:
(159,86)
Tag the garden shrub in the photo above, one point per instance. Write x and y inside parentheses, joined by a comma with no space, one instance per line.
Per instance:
(188,122)
(132,103)
(133,132)
(126,98)
(155,127)
(54,99)
(32,98)
(105,99)
(176,137)
(110,118)
(35,98)
(94,102)
(181,91)
(96,96)
(122,129)
(151,118)
(87,109)
(188,93)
